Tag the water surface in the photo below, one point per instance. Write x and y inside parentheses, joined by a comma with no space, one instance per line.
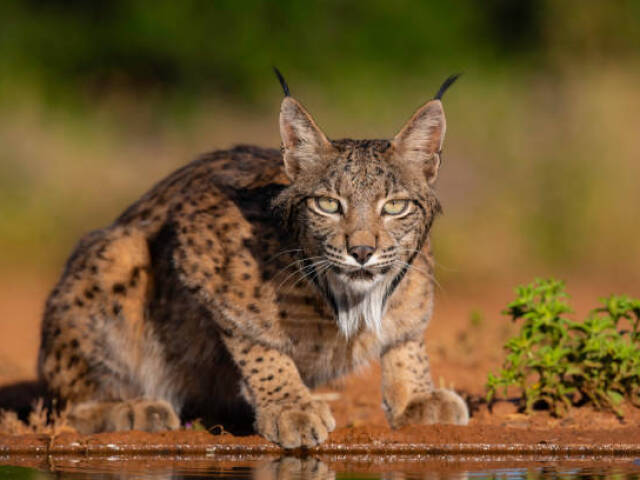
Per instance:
(323,468)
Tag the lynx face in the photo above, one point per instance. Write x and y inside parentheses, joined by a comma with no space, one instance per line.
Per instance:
(360,209)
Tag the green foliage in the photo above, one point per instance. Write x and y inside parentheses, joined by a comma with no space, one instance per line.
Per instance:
(559,362)
(228,47)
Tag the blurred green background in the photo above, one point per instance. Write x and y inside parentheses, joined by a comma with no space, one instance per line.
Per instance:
(100,99)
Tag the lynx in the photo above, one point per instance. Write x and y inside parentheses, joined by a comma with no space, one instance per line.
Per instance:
(248,277)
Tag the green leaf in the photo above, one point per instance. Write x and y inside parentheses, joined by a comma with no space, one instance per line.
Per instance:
(615,397)
(553,358)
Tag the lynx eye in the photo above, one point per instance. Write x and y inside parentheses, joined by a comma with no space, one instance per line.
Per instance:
(395,207)
(328,204)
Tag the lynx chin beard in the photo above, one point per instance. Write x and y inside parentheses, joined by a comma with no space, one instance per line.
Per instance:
(359,298)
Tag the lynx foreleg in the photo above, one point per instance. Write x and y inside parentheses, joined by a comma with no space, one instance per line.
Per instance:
(285,412)
(408,393)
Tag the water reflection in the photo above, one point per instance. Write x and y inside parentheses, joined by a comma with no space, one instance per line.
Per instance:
(290,468)
(295,468)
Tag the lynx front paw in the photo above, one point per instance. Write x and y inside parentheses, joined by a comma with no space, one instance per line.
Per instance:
(439,406)
(296,425)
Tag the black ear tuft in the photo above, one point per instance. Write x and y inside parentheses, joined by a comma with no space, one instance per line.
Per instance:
(445,85)
(283,82)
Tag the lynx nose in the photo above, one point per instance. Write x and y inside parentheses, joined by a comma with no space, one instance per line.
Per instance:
(361,253)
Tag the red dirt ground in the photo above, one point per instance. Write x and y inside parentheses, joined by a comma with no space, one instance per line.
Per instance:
(462,353)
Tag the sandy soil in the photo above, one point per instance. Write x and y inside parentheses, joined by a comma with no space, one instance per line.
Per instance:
(462,352)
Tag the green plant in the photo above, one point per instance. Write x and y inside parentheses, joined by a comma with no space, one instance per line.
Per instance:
(560,363)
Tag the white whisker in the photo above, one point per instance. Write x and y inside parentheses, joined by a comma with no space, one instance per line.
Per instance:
(299,270)
(295,262)
(317,267)
(427,274)
(279,254)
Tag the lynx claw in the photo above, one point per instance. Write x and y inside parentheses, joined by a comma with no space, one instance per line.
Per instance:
(293,426)
(440,406)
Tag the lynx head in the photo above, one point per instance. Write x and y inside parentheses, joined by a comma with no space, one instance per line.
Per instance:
(360,209)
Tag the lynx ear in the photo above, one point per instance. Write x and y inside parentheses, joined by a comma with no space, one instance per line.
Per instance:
(420,141)
(303,142)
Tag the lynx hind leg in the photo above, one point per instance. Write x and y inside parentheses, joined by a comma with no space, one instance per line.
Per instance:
(139,414)
(94,351)
(93,321)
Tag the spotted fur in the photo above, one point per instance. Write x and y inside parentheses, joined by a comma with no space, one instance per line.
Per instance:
(226,292)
